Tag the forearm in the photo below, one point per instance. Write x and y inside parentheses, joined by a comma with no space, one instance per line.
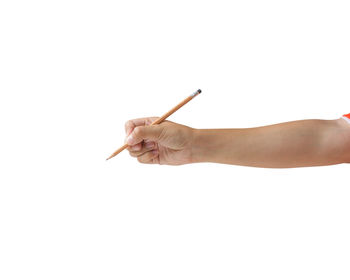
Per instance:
(292,144)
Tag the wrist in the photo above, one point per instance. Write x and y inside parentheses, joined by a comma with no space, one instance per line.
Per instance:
(195,148)
(203,147)
(215,145)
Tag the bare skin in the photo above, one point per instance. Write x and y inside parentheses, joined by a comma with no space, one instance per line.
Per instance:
(285,145)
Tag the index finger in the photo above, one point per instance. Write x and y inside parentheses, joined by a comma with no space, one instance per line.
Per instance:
(131,124)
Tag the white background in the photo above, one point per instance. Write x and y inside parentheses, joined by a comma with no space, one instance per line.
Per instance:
(72,73)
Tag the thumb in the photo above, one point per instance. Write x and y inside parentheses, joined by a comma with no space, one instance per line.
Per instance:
(140,133)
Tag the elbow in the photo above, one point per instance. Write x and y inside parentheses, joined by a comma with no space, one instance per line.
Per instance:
(343,139)
(335,142)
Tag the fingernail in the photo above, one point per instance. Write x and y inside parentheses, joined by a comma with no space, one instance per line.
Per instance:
(129,140)
(135,148)
(149,145)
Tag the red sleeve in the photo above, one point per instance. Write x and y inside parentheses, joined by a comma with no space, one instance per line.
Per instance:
(346,117)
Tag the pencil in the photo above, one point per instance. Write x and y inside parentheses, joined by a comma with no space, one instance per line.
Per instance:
(161,119)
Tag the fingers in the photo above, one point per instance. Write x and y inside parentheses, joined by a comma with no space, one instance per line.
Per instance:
(141,148)
(135,148)
(148,153)
(140,133)
(141,138)
(131,124)
(149,157)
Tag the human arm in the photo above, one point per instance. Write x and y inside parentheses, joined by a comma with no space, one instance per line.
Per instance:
(284,145)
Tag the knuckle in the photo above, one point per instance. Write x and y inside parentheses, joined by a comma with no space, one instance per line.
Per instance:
(132,154)
(127,124)
(140,160)
(145,158)
(138,131)
(149,120)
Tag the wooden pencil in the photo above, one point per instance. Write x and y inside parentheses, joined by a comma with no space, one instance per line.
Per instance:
(161,119)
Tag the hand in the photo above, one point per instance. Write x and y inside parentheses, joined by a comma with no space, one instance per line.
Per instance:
(166,143)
